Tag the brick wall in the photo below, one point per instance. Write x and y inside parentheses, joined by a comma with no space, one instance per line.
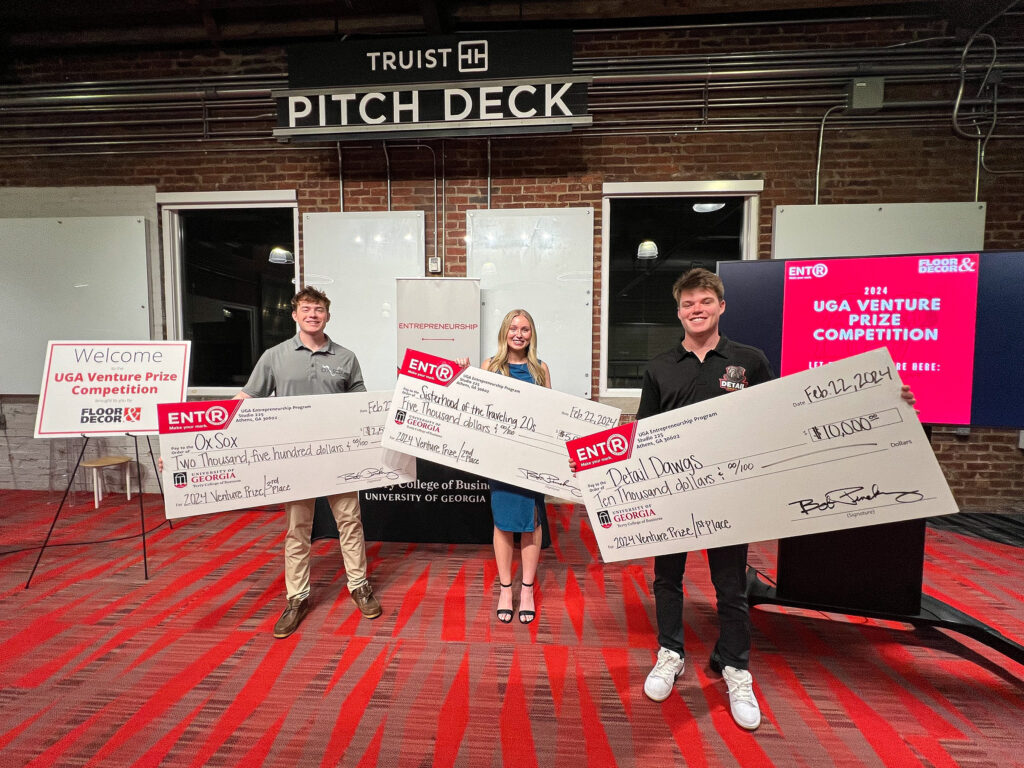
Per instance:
(985,468)
(891,165)
(30,464)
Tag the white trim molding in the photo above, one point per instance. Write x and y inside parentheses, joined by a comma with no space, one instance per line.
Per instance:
(749,189)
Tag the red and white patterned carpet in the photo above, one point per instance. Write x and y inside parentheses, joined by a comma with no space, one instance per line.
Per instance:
(99,667)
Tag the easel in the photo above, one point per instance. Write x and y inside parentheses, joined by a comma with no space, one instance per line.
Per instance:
(142,513)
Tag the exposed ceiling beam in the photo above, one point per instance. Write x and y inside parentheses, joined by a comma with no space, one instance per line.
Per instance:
(71,24)
(230,32)
(478,11)
(431,17)
(210,25)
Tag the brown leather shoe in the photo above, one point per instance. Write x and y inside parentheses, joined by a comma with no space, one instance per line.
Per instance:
(366,602)
(293,615)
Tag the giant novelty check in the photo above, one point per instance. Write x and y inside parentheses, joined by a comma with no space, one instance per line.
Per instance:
(829,448)
(488,424)
(237,454)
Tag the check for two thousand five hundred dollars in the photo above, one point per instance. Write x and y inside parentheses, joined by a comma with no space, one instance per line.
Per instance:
(829,448)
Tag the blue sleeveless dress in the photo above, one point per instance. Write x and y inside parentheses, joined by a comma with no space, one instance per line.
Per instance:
(516,509)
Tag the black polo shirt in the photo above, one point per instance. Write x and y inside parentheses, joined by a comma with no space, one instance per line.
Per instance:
(678,377)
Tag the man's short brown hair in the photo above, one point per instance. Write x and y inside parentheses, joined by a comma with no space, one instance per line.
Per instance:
(311,296)
(698,279)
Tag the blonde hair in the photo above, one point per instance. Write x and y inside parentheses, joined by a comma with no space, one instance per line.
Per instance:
(499,363)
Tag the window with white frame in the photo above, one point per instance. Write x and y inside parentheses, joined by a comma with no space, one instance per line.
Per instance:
(651,234)
(230,271)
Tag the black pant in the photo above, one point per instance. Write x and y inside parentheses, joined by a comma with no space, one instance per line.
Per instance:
(729,576)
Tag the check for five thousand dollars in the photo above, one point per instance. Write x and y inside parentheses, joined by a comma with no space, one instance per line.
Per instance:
(829,448)
(238,454)
(488,424)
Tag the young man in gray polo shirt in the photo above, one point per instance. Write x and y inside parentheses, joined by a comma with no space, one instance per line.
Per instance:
(311,364)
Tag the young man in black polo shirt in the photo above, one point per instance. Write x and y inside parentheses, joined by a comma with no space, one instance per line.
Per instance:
(706,364)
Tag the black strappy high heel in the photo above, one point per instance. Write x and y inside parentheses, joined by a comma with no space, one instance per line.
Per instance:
(526,617)
(504,614)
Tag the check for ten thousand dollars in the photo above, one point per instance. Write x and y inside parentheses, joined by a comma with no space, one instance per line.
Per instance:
(829,448)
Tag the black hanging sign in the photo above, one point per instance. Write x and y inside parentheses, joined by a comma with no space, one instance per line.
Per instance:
(511,82)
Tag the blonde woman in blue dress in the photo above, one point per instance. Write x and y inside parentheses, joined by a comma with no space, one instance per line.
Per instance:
(516,510)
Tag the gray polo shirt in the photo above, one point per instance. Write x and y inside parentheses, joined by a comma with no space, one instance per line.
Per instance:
(291,368)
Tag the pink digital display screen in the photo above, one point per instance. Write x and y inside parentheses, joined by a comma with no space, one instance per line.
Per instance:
(922,308)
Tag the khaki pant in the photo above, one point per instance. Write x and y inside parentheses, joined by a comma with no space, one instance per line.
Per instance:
(299,516)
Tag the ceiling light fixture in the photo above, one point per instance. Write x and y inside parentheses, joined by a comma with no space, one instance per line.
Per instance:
(708,207)
(647,250)
(279,255)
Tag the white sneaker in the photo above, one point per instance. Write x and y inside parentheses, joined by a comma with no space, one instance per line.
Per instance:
(745,710)
(662,678)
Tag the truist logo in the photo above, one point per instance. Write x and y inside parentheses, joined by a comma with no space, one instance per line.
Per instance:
(196,417)
(602,448)
(470,56)
(473,56)
(421,365)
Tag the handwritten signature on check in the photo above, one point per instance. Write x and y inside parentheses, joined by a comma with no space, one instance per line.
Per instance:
(852,496)
(368,474)
(549,479)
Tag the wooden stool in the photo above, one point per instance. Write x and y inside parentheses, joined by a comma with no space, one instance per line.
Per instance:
(97,478)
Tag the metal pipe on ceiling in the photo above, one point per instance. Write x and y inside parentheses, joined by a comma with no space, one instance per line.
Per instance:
(101,93)
(733,24)
(730,103)
(814,75)
(714,66)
